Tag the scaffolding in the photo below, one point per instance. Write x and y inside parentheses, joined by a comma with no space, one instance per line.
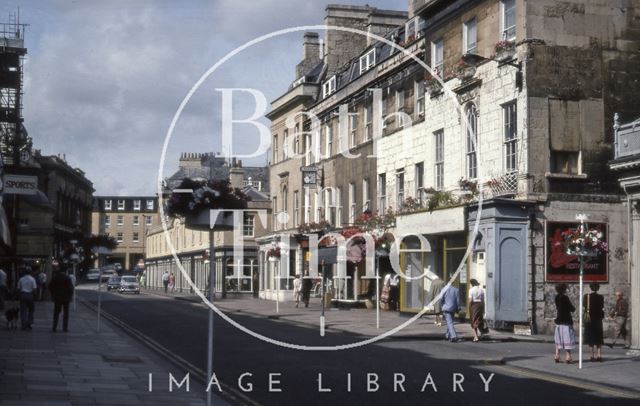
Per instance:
(13,138)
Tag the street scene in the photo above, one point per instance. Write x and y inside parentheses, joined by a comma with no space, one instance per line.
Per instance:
(268,203)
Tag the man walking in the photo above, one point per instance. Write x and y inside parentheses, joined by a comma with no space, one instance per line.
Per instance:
(620,314)
(165,281)
(450,306)
(41,280)
(61,288)
(26,289)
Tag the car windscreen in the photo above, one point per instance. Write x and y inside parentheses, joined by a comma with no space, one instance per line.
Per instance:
(129,279)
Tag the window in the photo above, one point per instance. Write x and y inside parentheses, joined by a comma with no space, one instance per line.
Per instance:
(107,204)
(285,207)
(120,204)
(248,225)
(508,19)
(329,86)
(352,202)
(400,106)
(439,165)
(419,92)
(274,210)
(318,216)
(107,220)
(565,162)
(307,149)
(328,141)
(307,205)
(136,220)
(120,221)
(367,61)
(119,237)
(382,193)
(136,237)
(469,37)
(296,142)
(400,188)
(150,205)
(472,142)
(510,137)
(137,204)
(330,206)
(148,220)
(296,209)
(412,29)
(368,120)
(353,127)
(275,149)
(285,145)
(366,200)
(437,57)
(383,110)
(419,181)
(338,203)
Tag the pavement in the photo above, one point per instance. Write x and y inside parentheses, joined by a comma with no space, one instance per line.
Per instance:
(84,366)
(616,375)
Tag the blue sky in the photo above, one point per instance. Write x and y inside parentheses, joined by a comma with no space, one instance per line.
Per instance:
(104,79)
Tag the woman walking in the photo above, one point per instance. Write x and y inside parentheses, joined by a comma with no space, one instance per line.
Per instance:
(565,336)
(594,311)
(476,309)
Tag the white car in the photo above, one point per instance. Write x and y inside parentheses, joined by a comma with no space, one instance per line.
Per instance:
(129,284)
(93,275)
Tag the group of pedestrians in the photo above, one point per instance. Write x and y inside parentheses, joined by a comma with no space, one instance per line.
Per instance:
(302,289)
(594,314)
(31,287)
(168,282)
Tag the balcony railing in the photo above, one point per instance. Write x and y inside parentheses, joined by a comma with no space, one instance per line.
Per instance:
(627,138)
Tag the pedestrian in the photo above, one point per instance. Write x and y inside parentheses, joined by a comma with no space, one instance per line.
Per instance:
(4,290)
(619,314)
(172,282)
(565,335)
(143,280)
(41,281)
(297,289)
(436,287)
(394,292)
(256,284)
(27,288)
(450,306)
(61,289)
(476,309)
(165,281)
(594,313)
(306,288)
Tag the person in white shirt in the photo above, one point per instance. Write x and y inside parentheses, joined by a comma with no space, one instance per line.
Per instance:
(27,288)
(476,309)
(297,289)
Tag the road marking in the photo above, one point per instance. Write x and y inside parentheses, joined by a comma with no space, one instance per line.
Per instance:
(621,393)
(228,392)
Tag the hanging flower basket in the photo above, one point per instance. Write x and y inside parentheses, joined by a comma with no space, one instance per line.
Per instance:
(585,242)
(274,253)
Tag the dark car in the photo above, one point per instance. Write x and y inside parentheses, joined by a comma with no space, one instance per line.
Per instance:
(113,283)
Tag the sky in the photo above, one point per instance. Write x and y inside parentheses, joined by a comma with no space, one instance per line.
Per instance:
(103,80)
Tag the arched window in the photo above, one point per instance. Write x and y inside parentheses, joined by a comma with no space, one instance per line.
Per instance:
(471,136)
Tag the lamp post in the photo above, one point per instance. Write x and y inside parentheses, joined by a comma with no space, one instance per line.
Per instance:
(322,290)
(379,253)
(581,218)
(273,260)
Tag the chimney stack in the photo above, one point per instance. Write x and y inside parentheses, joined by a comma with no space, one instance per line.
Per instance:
(310,54)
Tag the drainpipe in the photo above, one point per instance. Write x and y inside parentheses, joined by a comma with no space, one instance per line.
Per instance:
(532,247)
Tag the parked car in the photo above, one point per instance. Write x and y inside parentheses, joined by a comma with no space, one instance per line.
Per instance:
(93,275)
(129,284)
(113,283)
(107,273)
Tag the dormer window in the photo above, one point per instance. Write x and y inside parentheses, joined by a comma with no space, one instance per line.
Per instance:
(367,61)
(329,86)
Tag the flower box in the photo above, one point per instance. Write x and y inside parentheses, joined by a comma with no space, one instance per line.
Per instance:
(202,220)
(504,50)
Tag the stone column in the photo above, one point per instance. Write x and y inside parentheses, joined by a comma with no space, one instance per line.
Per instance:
(635,276)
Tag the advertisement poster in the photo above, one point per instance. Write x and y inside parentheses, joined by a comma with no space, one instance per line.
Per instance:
(562,267)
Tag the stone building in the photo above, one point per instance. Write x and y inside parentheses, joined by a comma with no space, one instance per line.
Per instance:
(192,246)
(626,165)
(530,86)
(128,219)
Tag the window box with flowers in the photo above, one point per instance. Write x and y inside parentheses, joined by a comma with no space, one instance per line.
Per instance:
(504,50)
(274,253)
(463,71)
(432,84)
(195,207)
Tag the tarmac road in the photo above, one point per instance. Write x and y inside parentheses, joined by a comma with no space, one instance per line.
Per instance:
(402,368)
